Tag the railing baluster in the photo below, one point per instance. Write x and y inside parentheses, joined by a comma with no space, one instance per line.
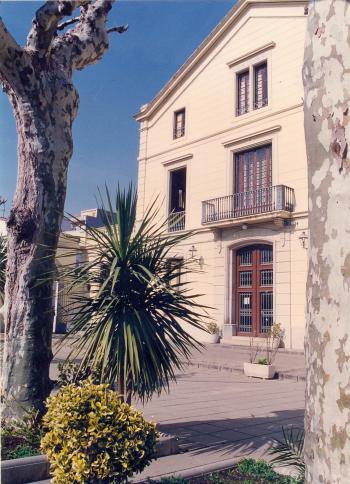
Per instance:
(253,202)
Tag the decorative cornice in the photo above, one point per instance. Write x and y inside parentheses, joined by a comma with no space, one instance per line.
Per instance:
(255,134)
(251,53)
(178,159)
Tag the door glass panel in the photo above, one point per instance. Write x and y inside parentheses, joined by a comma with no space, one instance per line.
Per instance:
(245,311)
(266,255)
(245,278)
(266,277)
(266,311)
(245,258)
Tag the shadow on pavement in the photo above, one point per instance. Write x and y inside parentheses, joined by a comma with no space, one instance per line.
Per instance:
(231,435)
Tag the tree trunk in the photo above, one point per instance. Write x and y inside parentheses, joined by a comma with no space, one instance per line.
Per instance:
(326,76)
(38,82)
(44,125)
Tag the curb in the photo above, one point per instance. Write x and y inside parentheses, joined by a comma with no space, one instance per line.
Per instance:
(281,375)
(37,468)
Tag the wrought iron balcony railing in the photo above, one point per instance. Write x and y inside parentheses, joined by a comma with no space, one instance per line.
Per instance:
(259,201)
(176,221)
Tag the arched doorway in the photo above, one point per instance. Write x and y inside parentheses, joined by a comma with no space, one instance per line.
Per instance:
(253,289)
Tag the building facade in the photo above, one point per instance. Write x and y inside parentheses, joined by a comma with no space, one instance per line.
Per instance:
(223,145)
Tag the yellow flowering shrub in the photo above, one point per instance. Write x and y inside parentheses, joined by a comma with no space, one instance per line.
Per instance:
(93,437)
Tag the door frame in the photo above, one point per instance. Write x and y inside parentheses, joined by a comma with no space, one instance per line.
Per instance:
(256,288)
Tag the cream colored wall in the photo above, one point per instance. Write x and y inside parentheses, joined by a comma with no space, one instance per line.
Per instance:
(214,133)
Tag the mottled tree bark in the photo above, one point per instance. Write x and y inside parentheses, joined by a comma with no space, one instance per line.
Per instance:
(326,76)
(38,81)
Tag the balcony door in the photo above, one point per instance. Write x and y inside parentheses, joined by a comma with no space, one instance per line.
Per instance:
(177,199)
(253,181)
(253,291)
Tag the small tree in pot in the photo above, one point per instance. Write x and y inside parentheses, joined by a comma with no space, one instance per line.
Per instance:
(214,332)
(263,367)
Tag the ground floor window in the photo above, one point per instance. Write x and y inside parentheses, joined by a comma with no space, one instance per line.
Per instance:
(253,289)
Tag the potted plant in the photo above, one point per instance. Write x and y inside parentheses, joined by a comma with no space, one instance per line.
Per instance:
(214,332)
(263,367)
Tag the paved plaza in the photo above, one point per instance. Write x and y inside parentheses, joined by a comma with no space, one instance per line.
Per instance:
(221,417)
(218,414)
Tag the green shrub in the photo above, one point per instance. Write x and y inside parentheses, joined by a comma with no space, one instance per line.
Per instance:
(263,361)
(263,471)
(92,436)
(258,468)
(69,372)
(20,437)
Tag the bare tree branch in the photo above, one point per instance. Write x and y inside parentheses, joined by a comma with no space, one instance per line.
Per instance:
(89,39)
(67,23)
(7,42)
(12,58)
(120,29)
(46,21)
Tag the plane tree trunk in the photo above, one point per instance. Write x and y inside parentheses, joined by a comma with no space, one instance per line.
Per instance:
(326,75)
(38,81)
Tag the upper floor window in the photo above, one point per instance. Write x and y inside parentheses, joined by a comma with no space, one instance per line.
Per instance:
(260,85)
(242,92)
(252,88)
(179,123)
(177,200)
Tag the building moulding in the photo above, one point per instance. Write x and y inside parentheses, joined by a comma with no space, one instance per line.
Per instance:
(178,159)
(255,134)
(252,53)
(228,130)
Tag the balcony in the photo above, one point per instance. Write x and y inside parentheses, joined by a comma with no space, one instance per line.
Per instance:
(275,202)
(176,221)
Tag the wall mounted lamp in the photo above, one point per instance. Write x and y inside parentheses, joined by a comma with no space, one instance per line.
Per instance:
(303,238)
(193,257)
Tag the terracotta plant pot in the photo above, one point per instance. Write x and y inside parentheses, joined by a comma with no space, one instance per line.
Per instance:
(256,370)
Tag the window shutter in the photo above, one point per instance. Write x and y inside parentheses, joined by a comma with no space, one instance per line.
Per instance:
(242,93)
(260,88)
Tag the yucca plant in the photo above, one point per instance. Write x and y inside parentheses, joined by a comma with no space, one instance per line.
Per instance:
(289,452)
(129,326)
(3,259)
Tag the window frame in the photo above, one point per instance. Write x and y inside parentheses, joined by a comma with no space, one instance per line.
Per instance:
(169,198)
(265,95)
(250,66)
(248,93)
(179,112)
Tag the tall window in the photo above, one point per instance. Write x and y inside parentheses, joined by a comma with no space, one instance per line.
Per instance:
(179,123)
(242,92)
(252,88)
(177,199)
(253,181)
(254,289)
(260,85)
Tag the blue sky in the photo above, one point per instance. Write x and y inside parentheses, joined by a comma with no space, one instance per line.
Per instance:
(162,34)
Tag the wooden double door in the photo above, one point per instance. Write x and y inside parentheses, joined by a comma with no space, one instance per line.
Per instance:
(253,291)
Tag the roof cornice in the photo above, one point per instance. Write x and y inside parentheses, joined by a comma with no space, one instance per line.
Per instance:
(230,18)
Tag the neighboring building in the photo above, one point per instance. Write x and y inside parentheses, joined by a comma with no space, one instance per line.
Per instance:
(223,144)
(73,249)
